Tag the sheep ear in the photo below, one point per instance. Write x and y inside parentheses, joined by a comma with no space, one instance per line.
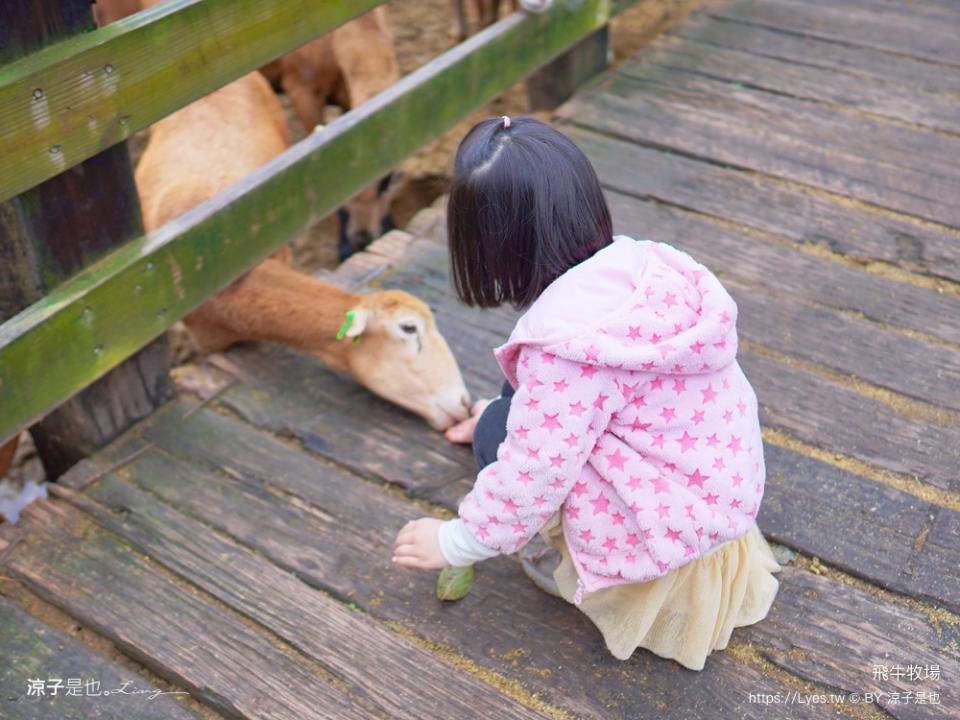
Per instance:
(354,324)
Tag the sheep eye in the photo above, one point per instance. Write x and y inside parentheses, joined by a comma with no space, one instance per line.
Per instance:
(409,328)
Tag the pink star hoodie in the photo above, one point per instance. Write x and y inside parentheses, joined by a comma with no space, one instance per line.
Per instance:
(631,415)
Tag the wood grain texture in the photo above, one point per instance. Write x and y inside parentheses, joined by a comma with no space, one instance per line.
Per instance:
(868,137)
(505,625)
(35,651)
(788,212)
(181,635)
(884,535)
(926,38)
(905,73)
(802,81)
(656,121)
(372,661)
(833,634)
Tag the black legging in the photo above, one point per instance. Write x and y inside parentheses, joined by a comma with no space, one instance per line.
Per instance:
(491,430)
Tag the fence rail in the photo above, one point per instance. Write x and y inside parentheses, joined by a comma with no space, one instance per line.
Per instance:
(107,312)
(65,103)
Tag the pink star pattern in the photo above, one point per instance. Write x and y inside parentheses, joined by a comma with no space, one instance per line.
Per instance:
(600,504)
(550,422)
(617,460)
(687,442)
(644,434)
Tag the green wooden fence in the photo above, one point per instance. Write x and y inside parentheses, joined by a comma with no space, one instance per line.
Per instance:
(159,61)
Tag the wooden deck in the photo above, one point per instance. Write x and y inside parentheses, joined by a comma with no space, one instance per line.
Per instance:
(235,545)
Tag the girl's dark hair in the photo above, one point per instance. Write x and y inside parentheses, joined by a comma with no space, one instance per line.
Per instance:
(525,207)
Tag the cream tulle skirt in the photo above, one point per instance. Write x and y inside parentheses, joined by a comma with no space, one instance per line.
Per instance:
(687,613)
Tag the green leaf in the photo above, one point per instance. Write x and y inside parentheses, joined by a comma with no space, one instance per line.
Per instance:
(454,583)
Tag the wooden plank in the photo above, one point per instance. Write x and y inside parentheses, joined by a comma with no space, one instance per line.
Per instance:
(785,211)
(865,137)
(836,635)
(336,535)
(893,11)
(379,668)
(724,140)
(904,72)
(91,92)
(140,290)
(873,531)
(35,651)
(174,631)
(935,555)
(306,400)
(54,229)
(803,81)
(837,419)
(353,503)
(805,500)
(848,345)
(919,37)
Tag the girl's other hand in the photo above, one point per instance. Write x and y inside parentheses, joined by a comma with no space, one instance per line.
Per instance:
(418,545)
(462,432)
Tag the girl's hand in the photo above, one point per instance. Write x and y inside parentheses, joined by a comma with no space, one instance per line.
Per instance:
(462,432)
(418,545)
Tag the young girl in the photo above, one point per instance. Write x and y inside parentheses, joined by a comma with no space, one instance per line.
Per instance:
(627,434)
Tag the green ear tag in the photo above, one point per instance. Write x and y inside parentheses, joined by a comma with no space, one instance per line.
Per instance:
(342,333)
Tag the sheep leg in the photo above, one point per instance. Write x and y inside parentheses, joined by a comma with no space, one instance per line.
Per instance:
(6,454)
(460,14)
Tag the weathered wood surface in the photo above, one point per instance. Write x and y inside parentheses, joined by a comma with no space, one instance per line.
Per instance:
(298,512)
(246,482)
(261,509)
(872,139)
(380,666)
(902,72)
(181,635)
(794,214)
(923,37)
(33,650)
(654,116)
(813,617)
(802,81)
(556,82)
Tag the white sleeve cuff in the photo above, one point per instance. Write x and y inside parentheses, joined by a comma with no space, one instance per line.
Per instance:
(459,547)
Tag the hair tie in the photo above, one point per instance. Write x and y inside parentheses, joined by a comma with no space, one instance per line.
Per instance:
(506,121)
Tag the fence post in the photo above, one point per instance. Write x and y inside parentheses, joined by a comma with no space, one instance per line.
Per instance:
(555,83)
(53,230)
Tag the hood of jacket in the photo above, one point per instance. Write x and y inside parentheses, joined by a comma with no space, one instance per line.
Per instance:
(636,305)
